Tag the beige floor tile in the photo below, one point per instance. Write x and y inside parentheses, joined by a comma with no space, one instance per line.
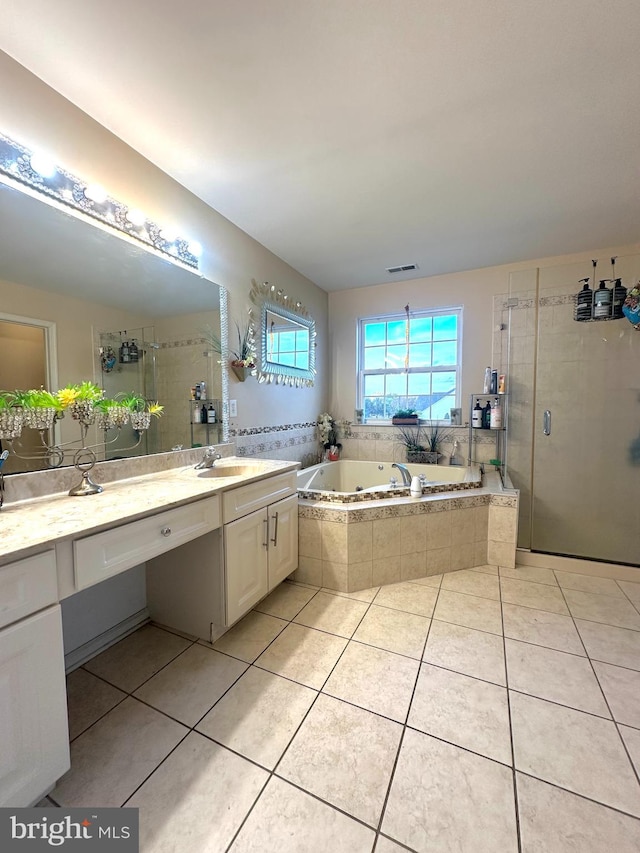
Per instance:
(537,595)
(588,583)
(602,608)
(344,755)
(137,657)
(259,715)
(303,654)
(472,583)
(466,650)
(197,799)
(574,750)
(287,820)
(555,820)
(409,597)
(469,610)
(191,684)
(359,595)
(88,698)
(332,613)
(385,845)
(622,690)
(631,738)
(486,569)
(286,601)
(251,636)
(115,755)
(462,803)
(374,679)
(631,590)
(611,645)
(462,710)
(541,628)
(393,630)
(556,676)
(432,581)
(535,574)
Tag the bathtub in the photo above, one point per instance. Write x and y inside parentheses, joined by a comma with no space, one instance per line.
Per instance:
(350,481)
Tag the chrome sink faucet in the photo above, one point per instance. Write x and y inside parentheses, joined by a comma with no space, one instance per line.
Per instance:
(209,459)
(406,474)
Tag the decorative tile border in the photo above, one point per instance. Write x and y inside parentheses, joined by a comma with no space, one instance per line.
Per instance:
(269,429)
(358,497)
(348,515)
(567,299)
(504,500)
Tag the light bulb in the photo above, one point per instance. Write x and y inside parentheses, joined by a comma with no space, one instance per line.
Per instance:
(96,193)
(168,234)
(195,248)
(43,165)
(136,217)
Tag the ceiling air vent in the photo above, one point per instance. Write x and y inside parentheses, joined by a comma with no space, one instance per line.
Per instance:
(402,268)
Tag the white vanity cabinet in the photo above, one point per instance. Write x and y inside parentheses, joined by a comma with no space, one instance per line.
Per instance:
(33,702)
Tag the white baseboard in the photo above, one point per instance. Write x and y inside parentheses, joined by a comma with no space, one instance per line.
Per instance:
(86,651)
(578,566)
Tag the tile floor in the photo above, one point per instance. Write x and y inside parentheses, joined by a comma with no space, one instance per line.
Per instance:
(484,710)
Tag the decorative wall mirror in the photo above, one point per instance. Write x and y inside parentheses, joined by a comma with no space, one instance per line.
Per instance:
(285,337)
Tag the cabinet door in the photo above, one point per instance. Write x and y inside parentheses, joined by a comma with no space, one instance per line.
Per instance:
(33,708)
(245,552)
(283,539)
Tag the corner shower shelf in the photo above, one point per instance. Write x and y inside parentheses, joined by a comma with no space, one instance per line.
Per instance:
(500,434)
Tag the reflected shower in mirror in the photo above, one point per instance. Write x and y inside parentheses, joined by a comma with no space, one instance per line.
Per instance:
(285,337)
(87,293)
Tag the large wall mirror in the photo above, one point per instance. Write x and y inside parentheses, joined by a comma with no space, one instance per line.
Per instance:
(285,337)
(73,294)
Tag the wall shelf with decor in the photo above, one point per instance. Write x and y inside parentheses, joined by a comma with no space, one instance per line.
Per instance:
(204,434)
(499,433)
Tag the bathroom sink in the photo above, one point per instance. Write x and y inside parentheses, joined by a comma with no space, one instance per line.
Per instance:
(236,470)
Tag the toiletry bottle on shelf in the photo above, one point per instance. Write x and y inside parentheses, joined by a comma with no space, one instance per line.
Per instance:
(602,302)
(198,392)
(203,414)
(487,381)
(476,416)
(502,384)
(496,415)
(494,382)
(584,301)
(619,295)
(203,390)
(486,415)
(196,414)
(211,415)
(416,489)
(133,351)
(124,352)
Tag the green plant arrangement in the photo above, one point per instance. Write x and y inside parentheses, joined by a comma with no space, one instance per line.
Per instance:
(244,355)
(405,416)
(80,399)
(423,443)
(41,408)
(10,416)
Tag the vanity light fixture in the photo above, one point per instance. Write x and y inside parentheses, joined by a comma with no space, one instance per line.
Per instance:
(35,173)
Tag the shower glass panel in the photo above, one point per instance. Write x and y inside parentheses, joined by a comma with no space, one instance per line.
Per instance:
(583,487)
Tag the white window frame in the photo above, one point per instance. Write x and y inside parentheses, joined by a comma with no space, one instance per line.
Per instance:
(413,314)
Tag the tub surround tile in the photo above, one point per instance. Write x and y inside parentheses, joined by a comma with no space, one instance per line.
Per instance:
(413,534)
(288,820)
(462,710)
(574,750)
(332,613)
(303,655)
(408,597)
(536,595)
(618,646)
(469,611)
(465,650)
(464,802)
(548,814)
(250,636)
(210,774)
(607,609)
(114,756)
(480,551)
(360,579)
(385,571)
(385,536)
(309,571)
(375,680)
(541,628)
(462,556)
(334,542)
(501,553)
(187,687)
(336,575)
(286,601)
(393,630)
(413,566)
(309,536)
(554,675)
(622,689)
(439,530)
(345,755)
(258,716)
(438,560)
(88,699)
(360,542)
(503,524)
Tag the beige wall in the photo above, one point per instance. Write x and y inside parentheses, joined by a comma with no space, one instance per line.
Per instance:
(40,118)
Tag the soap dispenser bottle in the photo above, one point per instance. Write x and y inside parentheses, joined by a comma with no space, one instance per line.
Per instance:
(486,415)
(496,415)
(476,416)
(602,302)
(584,301)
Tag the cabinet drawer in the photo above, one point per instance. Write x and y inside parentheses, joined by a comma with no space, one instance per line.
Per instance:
(27,586)
(105,554)
(246,499)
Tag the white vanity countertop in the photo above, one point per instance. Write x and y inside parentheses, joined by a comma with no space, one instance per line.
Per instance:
(30,524)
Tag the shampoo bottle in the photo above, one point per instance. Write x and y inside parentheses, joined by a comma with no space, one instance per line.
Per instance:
(486,415)
(487,381)
(476,416)
(496,415)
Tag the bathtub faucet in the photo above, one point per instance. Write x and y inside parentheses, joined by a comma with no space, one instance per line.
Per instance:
(406,475)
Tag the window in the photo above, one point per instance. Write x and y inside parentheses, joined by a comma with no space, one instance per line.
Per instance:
(410,363)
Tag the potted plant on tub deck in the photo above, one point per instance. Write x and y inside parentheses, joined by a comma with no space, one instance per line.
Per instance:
(407,417)
(423,443)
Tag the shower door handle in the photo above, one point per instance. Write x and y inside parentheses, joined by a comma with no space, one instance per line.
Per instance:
(546,422)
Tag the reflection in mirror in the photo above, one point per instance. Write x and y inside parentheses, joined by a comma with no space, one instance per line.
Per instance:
(285,338)
(77,295)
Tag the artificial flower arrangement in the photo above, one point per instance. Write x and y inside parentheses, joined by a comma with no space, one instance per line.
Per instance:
(328,434)
(631,307)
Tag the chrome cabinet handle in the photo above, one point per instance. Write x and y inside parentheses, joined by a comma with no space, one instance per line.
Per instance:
(275,532)
(166,531)
(546,423)
(266,532)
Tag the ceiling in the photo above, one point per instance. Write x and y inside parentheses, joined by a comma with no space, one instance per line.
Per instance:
(348,136)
